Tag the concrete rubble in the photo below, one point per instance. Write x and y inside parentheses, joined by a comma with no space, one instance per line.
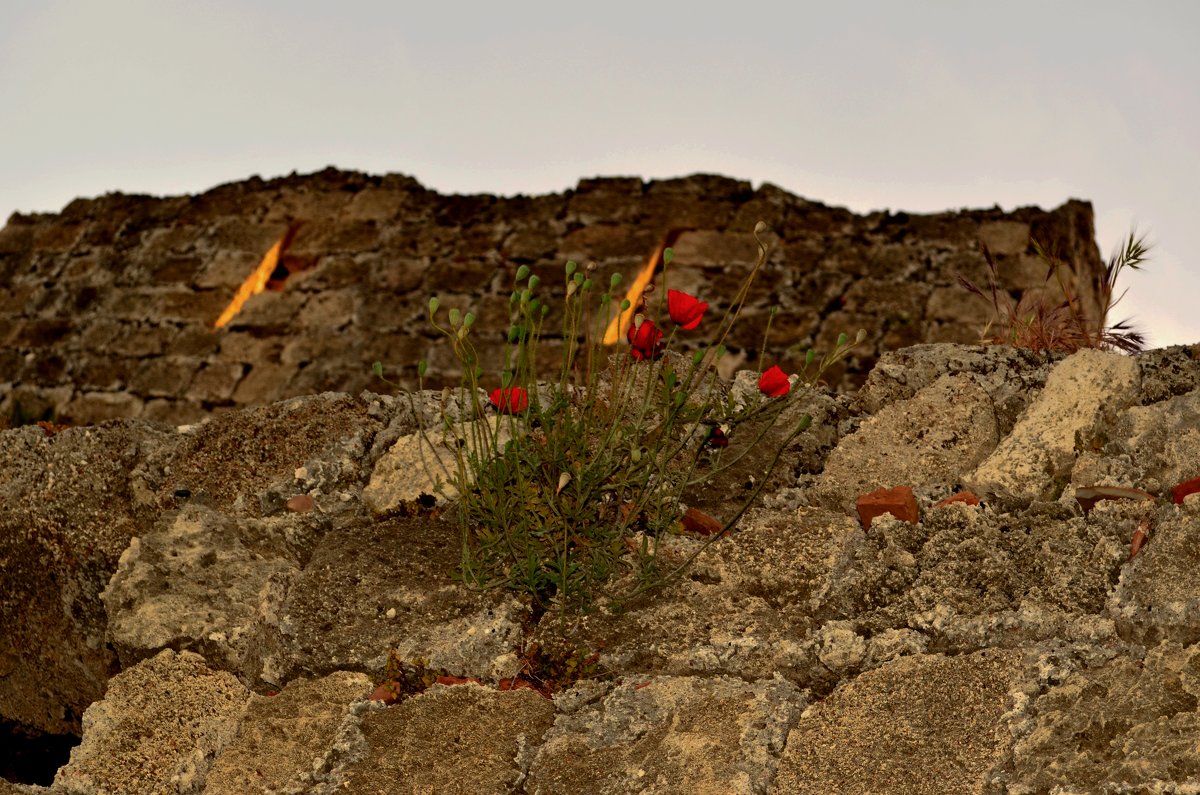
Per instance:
(167,598)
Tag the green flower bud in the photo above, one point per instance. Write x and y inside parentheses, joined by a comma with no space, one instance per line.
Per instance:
(422,368)
(433,306)
(534,281)
(455,317)
(697,357)
(545,310)
(625,304)
(377,369)
(808,357)
(579,278)
(614,281)
(506,378)
(469,319)
(515,333)
(587,284)
(668,255)
(860,336)
(571,266)
(522,272)
(842,338)
(679,398)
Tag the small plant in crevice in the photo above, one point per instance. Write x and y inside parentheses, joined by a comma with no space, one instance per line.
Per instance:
(1042,326)
(565,486)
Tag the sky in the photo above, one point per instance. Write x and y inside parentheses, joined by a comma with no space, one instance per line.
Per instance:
(920,105)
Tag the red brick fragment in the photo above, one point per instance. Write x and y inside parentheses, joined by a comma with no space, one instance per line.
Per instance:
(1140,537)
(898,501)
(301,503)
(1181,490)
(699,522)
(1088,496)
(965,497)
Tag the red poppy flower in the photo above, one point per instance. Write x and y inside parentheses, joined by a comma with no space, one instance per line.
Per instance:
(686,310)
(645,341)
(773,383)
(510,399)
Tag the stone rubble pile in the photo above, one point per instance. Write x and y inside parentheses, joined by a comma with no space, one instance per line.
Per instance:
(162,599)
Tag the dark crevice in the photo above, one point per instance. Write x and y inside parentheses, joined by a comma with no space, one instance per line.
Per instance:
(28,756)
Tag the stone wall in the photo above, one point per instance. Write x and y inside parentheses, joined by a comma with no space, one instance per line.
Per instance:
(108,307)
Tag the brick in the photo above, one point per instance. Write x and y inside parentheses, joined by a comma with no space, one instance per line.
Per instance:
(1183,490)
(897,501)
(964,497)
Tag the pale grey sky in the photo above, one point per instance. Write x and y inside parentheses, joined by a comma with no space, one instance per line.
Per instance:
(917,106)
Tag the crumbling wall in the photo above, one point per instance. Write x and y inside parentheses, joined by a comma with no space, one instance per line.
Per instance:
(108,307)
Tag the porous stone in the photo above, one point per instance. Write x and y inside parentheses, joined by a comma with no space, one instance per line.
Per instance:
(203,582)
(463,739)
(1080,393)
(297,740)
(69,504)
(670,735)
(157,729)
(924,442)
(377,586)
(920,724)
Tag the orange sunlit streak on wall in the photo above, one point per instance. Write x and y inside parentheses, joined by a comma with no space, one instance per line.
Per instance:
(270,274)
(619,326)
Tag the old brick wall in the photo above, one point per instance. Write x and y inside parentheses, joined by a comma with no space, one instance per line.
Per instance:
(107,308)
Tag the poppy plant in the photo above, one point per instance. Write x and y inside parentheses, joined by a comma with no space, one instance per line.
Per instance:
(774,383)
(686,310)
(645,340)
(510,399)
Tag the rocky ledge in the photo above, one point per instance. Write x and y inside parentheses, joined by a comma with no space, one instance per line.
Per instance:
(212,607)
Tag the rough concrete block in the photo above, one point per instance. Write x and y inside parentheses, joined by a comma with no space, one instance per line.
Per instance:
(925,723)
(157,729)
(926,441)
(297,740)
(670,735)
(1081,391)
(423,744)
